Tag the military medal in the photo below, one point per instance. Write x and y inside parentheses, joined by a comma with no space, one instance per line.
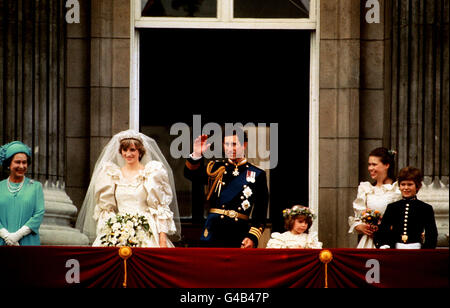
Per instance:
(251,176)
(236,171)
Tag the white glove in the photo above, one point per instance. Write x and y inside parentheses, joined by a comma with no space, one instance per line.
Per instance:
(3,233)
(6,236)
(385,247)
(19,234)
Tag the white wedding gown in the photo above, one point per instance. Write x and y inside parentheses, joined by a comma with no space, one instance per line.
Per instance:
(374,198)
(148,193)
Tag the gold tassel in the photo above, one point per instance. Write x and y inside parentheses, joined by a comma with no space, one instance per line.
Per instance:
(215,176)
(326,256)
(125,252)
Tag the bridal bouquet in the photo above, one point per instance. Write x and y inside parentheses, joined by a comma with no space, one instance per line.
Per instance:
(125,230)
(371,217)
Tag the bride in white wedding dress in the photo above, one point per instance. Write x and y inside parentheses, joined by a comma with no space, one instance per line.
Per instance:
(131,177)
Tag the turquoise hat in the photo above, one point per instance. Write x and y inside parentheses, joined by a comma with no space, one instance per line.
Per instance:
(10,149)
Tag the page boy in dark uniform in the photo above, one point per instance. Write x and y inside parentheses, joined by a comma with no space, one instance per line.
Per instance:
(405,221)
(236,191)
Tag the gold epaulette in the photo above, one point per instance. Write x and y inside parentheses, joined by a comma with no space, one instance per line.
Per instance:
(256,232)
(215,179)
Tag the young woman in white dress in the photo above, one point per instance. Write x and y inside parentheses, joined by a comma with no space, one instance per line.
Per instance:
(374,196)
(298,221)
(132,177)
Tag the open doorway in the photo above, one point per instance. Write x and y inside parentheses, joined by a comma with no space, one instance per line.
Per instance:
(230,76)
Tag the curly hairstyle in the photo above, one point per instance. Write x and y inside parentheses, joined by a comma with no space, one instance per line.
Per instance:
(289,221)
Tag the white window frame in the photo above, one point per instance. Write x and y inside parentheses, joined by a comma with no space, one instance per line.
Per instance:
(225,20)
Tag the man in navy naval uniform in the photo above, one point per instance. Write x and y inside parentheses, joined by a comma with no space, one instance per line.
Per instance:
(237,190)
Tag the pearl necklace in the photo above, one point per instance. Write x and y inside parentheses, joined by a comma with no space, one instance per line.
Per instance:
(16,189)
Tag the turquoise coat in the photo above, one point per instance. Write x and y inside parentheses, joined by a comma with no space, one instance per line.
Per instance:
(25,208)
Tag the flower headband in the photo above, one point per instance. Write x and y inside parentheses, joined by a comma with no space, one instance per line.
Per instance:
(298,210)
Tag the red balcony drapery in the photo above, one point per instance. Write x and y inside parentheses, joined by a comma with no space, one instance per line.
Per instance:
(49,266)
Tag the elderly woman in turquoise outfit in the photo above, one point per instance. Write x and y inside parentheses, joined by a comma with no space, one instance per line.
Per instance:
(21,199)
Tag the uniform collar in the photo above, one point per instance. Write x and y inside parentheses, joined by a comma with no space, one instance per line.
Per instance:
(242,162)
(410,199)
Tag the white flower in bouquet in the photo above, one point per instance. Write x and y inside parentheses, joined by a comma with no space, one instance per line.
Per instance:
(140,235)
(125,230)
(115,227)
(129,226)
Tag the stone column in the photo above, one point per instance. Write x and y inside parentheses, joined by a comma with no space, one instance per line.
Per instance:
(419,98)
(60,213)
(436,194)
(338,118)
(375,85)
(77,107)
(109,71)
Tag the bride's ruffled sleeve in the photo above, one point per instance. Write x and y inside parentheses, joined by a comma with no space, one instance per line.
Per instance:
(105,204)
(159,196)
(359,205)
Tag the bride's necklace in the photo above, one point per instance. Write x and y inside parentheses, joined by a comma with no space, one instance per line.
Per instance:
(15,189)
